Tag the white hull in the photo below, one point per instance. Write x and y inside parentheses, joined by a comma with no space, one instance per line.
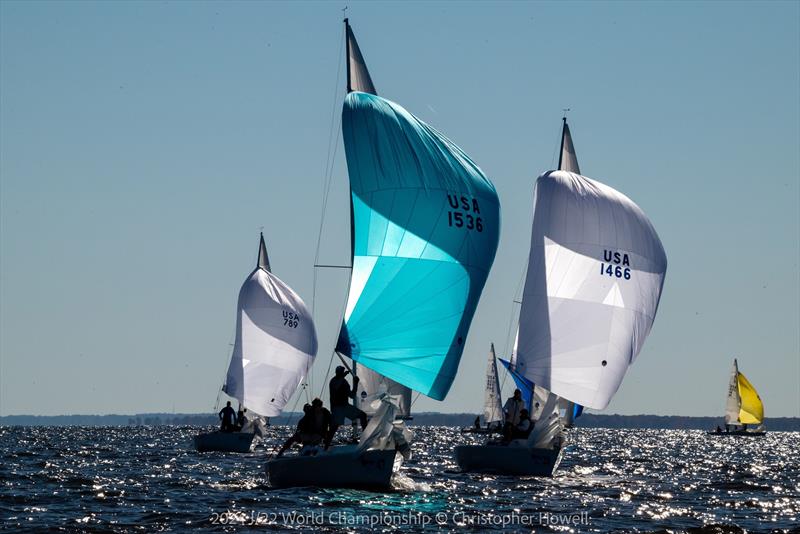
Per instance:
(224,441)
(339,467)
(508,459)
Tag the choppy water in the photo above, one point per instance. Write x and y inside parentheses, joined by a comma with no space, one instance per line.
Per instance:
(151,479)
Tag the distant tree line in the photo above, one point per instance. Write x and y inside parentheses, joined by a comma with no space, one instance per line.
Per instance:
(588,420)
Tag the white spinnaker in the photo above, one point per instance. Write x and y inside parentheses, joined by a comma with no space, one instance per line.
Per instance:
(275,344)
(595,274)
(733,402)
(492,407)
(371,383)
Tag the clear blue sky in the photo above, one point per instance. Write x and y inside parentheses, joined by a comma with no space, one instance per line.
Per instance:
(143,145)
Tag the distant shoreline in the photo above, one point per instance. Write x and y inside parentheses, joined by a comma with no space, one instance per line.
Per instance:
(589,420)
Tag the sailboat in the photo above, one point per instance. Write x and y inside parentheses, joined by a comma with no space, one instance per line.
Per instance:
(425,225)
(595,273)
(743,407)
(275,346)
(492,406)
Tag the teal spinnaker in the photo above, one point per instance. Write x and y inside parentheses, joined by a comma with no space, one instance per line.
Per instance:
(425,228)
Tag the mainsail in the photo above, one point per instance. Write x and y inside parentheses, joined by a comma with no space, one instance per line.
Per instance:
(275,342)
(492,407)
(425,227)
(567,160)
(595,274)
(743,404)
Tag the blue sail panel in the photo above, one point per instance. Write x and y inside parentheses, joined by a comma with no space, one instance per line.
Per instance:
(522,383)
(577,410)
(425,228)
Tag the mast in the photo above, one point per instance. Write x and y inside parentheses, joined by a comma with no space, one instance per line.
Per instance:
(563,133)
(347,33)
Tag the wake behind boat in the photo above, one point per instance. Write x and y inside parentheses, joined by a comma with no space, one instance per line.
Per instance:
(743,407)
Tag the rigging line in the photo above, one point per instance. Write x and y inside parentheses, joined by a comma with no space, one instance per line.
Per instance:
(289,419)
(327,373)
(225,371)
(512,321)
(329,161)
(415,399)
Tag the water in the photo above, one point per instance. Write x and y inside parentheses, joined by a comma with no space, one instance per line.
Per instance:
(150,479)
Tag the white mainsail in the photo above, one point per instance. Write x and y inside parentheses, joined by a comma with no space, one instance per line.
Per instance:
(492,408)
(567,160)
(276,342)
(733,401)
(595,274)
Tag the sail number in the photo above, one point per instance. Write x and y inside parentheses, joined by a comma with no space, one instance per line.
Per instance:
(616,264)
(465,213)
(290,319)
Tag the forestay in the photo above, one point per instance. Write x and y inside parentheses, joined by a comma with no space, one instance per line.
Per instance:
(275,342)
(595,274)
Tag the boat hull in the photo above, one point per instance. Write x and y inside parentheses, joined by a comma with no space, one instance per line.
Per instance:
(739,433)
(224,442)
(508,460)
(339,467)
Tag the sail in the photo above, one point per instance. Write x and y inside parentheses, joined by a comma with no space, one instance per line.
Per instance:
(567,160)
(425,228)
(275,342)
(752,409)
(548,428)
(732,400)
(535,396)
(371,384)
(595,274)
(358,78)
(492,406)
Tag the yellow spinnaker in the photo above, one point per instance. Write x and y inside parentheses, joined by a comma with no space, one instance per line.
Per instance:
(751,411)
